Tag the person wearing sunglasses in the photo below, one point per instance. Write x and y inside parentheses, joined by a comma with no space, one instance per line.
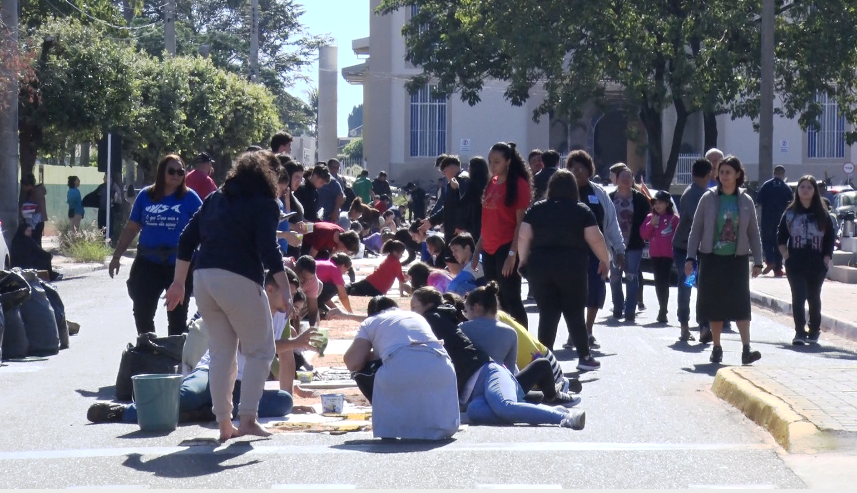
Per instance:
(159,214)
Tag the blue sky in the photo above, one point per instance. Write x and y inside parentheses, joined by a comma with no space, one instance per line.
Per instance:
(344,20)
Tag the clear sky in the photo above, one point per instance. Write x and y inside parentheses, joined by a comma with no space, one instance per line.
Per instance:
(344,20)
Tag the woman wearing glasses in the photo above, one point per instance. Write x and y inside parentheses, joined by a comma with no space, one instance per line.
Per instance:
(160,214)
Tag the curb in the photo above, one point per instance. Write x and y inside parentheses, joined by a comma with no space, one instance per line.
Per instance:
(795,433)
(836,326)
(75,270)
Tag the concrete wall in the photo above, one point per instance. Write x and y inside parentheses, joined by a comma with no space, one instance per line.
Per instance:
(55,179)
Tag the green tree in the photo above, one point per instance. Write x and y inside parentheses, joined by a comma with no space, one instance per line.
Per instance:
(355,118)
(82,83)
(354,149)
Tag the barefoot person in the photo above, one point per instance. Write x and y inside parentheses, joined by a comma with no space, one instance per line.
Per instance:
(236,232)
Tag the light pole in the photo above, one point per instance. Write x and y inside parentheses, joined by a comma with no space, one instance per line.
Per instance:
(9,118)
(766,108)
(170,27)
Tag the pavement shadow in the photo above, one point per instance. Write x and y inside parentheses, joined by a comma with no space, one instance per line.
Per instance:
(656,325)
(102,394)
(823,351)
(709,369)
(688,347)
(183,464)
(392,446)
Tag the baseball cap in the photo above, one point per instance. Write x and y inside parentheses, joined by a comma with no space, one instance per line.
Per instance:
(203,157)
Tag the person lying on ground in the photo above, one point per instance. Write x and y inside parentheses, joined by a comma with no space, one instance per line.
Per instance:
(195,396)
(330,238)
(380,281)
(421,275)
(414,393)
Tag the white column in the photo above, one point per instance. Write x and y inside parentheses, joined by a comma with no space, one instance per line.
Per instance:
(328,75)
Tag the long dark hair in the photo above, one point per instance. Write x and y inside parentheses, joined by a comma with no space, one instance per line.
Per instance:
(816,206)
(156,192)
(253,176)
(478,171)
(517,169)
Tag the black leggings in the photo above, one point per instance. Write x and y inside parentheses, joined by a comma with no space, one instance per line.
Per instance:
(806,289)
(558,281)
(510,287)
(362,288)
(663,267)
(146,282)
(540,373)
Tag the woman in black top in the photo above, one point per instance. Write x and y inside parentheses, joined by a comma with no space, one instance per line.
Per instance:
(555,238)
(806,238)
(236,232)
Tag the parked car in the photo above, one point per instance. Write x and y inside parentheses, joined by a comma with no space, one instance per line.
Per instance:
(4,250)
(845,202)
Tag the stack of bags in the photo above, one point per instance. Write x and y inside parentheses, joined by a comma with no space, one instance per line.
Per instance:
(32,318)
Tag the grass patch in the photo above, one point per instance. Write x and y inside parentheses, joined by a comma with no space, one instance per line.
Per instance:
(86,245)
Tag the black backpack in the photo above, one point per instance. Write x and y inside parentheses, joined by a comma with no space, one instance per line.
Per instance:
(152,354)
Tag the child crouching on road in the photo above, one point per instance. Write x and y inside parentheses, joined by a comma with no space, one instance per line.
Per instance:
(380,281)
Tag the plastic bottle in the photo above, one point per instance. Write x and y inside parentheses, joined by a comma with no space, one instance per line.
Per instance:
(690,281)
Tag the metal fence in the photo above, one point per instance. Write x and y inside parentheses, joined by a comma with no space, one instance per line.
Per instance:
(683,175)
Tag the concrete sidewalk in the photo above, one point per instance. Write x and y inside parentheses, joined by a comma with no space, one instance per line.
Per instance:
(806,409)
(838,306)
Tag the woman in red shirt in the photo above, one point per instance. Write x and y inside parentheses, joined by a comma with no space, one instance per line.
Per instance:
(328,237)
(504,203)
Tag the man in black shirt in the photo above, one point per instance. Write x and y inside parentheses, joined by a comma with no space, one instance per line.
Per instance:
(417,202)
(307,193)
(550,159)
(381,186)
(453,215)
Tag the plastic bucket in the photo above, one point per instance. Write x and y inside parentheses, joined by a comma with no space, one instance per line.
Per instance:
(157,398)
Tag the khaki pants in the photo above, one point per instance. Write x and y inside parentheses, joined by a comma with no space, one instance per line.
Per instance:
(235,308)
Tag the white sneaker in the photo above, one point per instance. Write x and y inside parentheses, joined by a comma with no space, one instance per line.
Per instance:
(575,420)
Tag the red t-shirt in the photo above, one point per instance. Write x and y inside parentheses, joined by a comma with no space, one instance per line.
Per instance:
(321,237)
(386,274)
(200,183)
(498,220)
(329,273)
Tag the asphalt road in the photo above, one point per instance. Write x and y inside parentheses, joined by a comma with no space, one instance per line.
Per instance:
(652,422)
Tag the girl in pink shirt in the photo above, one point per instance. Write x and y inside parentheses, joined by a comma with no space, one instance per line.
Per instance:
(659,228)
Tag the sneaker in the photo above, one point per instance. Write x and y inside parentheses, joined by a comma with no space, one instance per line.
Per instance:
(662,318)
(575,420)
(588,364)
(568,345)
(716,354)
(686,335)
(800,339)
(630,320)
(564,399)
(641,307)
(812,338)
(593,343)
(705,335)
(618,315)
(748,357)
(105,412)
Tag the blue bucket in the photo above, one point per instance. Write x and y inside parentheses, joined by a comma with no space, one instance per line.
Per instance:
(157,398)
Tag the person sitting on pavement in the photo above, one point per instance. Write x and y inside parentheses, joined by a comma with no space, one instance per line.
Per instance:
(381,281)
(25,253)
(442,316)
(195,400)
(468,278)
(421,275)
(415,392)
(160,213)
(375,241)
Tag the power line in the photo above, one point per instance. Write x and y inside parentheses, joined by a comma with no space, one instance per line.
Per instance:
(103,21)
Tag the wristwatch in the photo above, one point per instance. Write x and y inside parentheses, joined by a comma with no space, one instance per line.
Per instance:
(511,253)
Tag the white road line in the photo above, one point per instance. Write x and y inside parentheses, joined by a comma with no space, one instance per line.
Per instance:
(375,446)
(731,487)
(110,487)
(314,487)
(522,487)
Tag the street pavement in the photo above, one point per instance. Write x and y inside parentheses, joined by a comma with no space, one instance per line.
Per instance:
(652,422)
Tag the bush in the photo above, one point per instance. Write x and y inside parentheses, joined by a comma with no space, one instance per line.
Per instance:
(86,245)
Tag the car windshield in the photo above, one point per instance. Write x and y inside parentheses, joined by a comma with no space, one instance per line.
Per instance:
(847,198)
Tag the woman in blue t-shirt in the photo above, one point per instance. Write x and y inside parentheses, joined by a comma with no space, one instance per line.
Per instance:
(159,214)
(75,203)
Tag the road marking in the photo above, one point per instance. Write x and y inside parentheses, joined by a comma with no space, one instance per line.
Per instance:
(110,487)
(521,487)
(314,487)
(236,449)
(731,487)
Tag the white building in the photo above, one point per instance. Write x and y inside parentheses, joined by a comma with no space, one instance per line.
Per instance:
(404,133)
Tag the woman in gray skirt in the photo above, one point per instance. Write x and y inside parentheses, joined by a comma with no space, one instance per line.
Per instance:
(724,233)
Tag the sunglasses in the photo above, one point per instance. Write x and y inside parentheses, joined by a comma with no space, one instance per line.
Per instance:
(175,171)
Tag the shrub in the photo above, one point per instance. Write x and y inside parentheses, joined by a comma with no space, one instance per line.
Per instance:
(86,245)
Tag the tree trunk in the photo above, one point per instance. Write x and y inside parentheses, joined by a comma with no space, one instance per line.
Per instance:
(84,154)
(28,135)
(72,154)
(678,133)
(652,119)
(127,11)
(710,122)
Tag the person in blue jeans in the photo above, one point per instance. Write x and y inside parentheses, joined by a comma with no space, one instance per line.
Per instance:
(195,394)
(632,208)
